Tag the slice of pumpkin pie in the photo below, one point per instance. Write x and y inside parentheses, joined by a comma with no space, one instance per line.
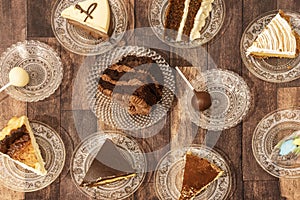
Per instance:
(17,142)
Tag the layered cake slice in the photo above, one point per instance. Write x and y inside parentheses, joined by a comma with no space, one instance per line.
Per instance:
(133,82)
(17,142)
(91,15)
(108,166)
(276,40)
(198,174)
(186,18)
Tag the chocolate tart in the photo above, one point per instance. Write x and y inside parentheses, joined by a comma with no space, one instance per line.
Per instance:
(108,166)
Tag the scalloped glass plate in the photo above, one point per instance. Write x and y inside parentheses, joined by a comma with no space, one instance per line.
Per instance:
(42,64)
(86,151)
(230,99)
(78,41)
(213,24)
(53,152)
(269,131)
(277,70)
(114,114)
(169,173)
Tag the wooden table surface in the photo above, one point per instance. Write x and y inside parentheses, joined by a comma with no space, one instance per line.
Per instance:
(30,20)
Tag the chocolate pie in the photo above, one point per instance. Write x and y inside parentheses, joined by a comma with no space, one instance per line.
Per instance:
(108,166)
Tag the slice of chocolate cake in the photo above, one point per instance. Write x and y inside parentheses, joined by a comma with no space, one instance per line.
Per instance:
(186,18)
(134,82)
(108,166)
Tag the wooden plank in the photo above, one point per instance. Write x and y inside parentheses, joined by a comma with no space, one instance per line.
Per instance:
(12,29)
(264,97)
(224,53)
(13,22)
(289,97)
(261,190)
(47,111)
(39,19)
(78,124)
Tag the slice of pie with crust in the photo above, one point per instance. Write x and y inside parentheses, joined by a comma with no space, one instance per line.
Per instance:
(18,143)
(90,15)
(199,173)
(108,166)
(277,39)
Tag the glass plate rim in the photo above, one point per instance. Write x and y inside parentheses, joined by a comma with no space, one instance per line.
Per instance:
(292,108)
(103,133)
(133,50)
(54,7)
(243,54)
(247,106)
(38,44)
(62,161)
(216,151)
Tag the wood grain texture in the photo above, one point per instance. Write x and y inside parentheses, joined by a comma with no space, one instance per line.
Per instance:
(264,97)
(261,190)
(289,97)
(39,19)
(72,119)
(12,29)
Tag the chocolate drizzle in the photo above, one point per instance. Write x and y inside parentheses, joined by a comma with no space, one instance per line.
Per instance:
(88,12)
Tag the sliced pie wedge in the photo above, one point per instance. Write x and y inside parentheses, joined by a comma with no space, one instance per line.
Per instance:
(276,40)
(108,166)
(17,142)
(91,15)
(198,174)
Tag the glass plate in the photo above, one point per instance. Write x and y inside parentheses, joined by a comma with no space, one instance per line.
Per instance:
(270,130)
(212,26)
(114,114)
(277,70)
(169,173)
(53,152)
(86,151)
(230,99)
(78,41)
(42,64)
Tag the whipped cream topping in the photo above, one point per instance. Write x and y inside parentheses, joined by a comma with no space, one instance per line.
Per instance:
(183,20)
(202,14)
(92,13)
(277,39)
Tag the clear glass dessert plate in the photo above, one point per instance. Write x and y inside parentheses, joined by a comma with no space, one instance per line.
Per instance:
(169,173)
(230,99)
(277,70)
(42,64)
(78,41)
(270,130)
(214,22)
(53,152)
(116,115)
(85,153)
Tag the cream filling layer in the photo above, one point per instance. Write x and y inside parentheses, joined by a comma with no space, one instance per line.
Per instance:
(202,14)
(276,39)
(100,16)
(183,20)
